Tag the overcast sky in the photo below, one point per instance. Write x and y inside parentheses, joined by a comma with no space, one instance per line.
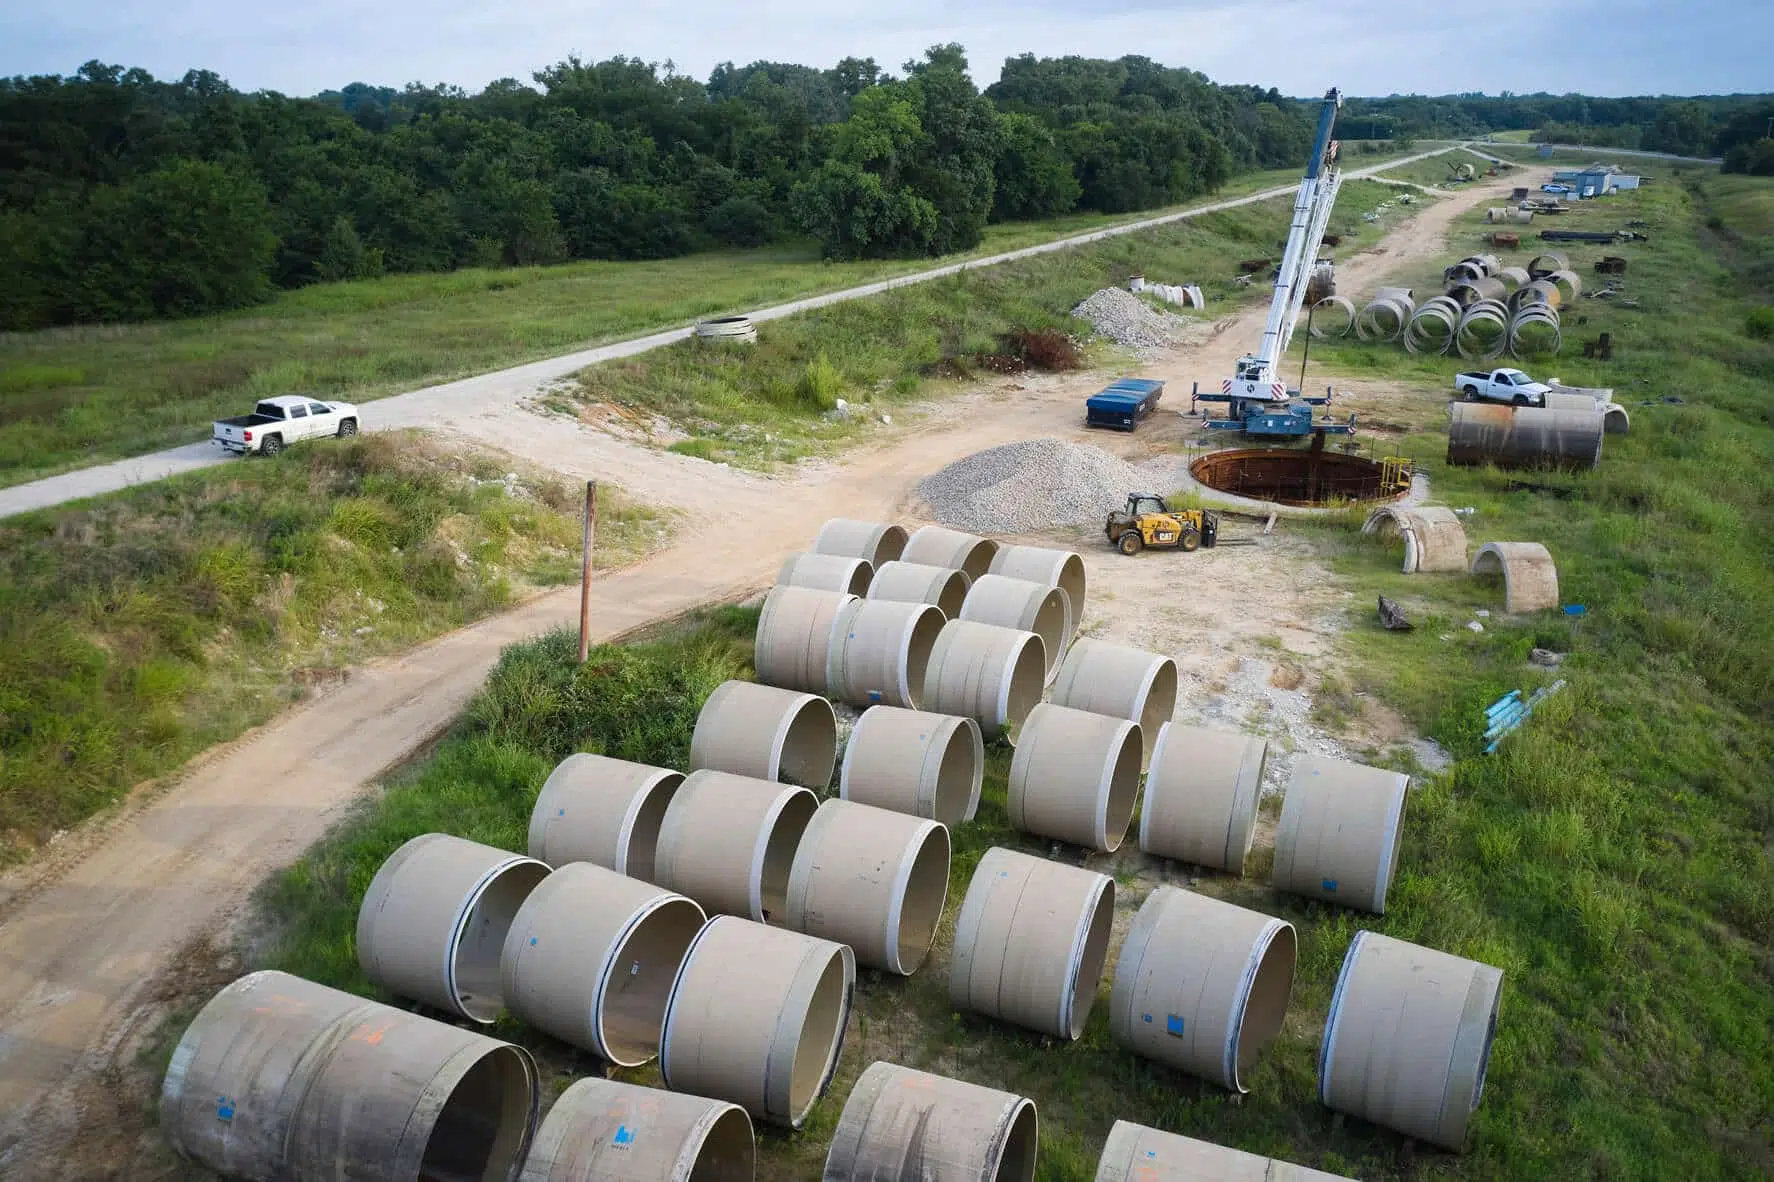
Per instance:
(1368,47)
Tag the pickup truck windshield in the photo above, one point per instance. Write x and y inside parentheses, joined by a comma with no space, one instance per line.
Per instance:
(269,409)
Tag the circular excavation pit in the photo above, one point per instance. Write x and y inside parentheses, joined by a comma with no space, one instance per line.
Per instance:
(1291,476)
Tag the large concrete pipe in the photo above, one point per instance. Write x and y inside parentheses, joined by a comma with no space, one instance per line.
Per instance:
(1075,776)
(1120,682)
(1434,539)
(766,733)
(881,651)
(591,957)
(1431,328)
(1138,1154)
(728,842)
(607,811)
(1556,400)
(1332,316)
(912,762)
(936,545)
(1040,564)
(795,632)
(872,879)
(1469,291)
(1027,607)
(1338,836)
(1542,265)
(1524,436)
(757,1016)
(992,675)
(620,1132)
(913,582)
(1201,796)
(1409,1038)
(278,1078)
(1530,580)
(872,541)
(1031,941)
(900,1124)
(434,920)
(1202,985)
(826,572)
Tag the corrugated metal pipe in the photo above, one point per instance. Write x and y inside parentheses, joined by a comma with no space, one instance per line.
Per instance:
(1041,564)
(1530,578)
(1338,836)
(601,810)
(826,572)
(1523,436)
(913,582)
(1075,777)
(936,545)
(1138,1154)
(881,652)
(874,542)
(1026,607)
(1120,682)
(728,842)
(916,763)
(899,1125)
(610,1131)
(1434,540)
(766,733)
(992,675)
(1201,796)
(796,629)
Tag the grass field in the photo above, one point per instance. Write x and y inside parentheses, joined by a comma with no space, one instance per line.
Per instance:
(1435,171)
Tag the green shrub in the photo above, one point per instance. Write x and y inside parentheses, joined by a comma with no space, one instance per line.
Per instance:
(1760,323)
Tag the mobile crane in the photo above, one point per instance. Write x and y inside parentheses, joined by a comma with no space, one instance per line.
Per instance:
(1257,398)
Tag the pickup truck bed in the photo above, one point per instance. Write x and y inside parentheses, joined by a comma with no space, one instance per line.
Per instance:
(248,420)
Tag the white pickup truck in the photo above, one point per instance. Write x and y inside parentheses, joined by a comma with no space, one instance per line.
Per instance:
(1501,385)
(278,422)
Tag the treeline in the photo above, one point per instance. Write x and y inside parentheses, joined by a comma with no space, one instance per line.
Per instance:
(123,197)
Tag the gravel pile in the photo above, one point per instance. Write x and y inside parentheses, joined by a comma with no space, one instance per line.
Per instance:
(1128,320)
(1043,484)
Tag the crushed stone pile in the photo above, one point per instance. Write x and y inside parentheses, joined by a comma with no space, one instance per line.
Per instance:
(1043,484)
(1128,320)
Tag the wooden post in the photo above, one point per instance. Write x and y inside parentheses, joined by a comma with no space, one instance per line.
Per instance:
(585,571)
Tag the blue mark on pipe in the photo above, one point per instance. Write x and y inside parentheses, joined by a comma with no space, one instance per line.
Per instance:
(875,697)
(224,1109)
(562,813)
(624,1135)
(1147,1017)
(1330,884)
(1173,1025)
(532,941)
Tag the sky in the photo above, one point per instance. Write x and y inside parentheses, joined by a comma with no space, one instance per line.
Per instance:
(1367,47)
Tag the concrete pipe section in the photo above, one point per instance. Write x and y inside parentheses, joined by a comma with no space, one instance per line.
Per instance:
(796,629)
(1120,682)
(900,1124)
(1031,941)
(872,541)
(606,811)
(757,1016)
(936,545)
(1524,436)
(989,674)
(1332,316)
(881,652)
(916,763)
(728,842)
(872,879)
(1040,564)
(1542,265)
(1409,1038)
(1202,986)
(1075,777)
(913,582)
(591,957)
(433,923)
(1338,835)
(1027,607)
(278,1077)
(1434,540)
(1530,580)
(826,572)
(1138,1154)
(621,1132)
(766,733)
(1201,796)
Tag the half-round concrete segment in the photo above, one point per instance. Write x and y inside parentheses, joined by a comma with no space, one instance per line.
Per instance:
(872,879)
(591,957)
(1202,985)
(1031,941)
(278,1077)
(1338,835)
(1041,564)
(729,841)
(1075,776)
(900,1123)
(766,733)
(1025,606)
(1136,1153)
(1530,580)
(1434,539)
(874,542)
(826,572)
(622,1132)
(1120,682)
(796,629)
(757,1016)
(1409,1038)
(914,762)
(936,545)
(1201,796)
(989,674)
(880,652)
(606,811)
(1524,436)
(433,923)
(913,582)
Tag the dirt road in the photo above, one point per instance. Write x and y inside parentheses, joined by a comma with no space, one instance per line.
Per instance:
(88,934)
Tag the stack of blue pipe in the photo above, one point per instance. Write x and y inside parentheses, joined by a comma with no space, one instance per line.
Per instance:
(1509,711)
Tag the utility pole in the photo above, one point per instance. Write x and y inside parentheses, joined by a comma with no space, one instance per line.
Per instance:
(585,571)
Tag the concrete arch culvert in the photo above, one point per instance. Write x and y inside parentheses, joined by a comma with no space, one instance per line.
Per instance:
(913,582)
(1202,795)
(1027,607)
(766,733)
(433,922)
(605,811)
(729,841)
(274,1079)
(1042,564)
(757,1017)
(1031,941)
(1434,540)
(900,1123)
(993,675)
(1075,777)
(1120,682)
(1530,578)
(938,545)
(1338,835)
(1202,985)
(1135,1153)
(591,957)
(875,542)
(880,652)
(621,1132)
(826,572)
(916,763)
(796,629)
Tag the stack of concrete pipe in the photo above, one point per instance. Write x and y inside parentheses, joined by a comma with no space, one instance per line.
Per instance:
(1040,564)
(1023,606)
(1386,315)
(766,733)
(901,1124)
(1524,436)
(621,1132)
(1482,333)
(859,651)
(1119,682)
(1075,777)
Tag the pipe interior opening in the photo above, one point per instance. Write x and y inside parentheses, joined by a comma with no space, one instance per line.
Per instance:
(779,850)
(860,576)
(821,1035)
(925,629)
(484,1128)
(1051,619)
(639,985)
(810,748)
(1265,1006)
(978,559)
(1484,1054)
(474,959)
(643,838)
(1160,703)
(1071,581)
(1028,677)
(953,594)
(1018,1161)
(1292,476)
(1124,788)
(890,545)
(728,1152)
(927,890)
(959,769)
(1090,963)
